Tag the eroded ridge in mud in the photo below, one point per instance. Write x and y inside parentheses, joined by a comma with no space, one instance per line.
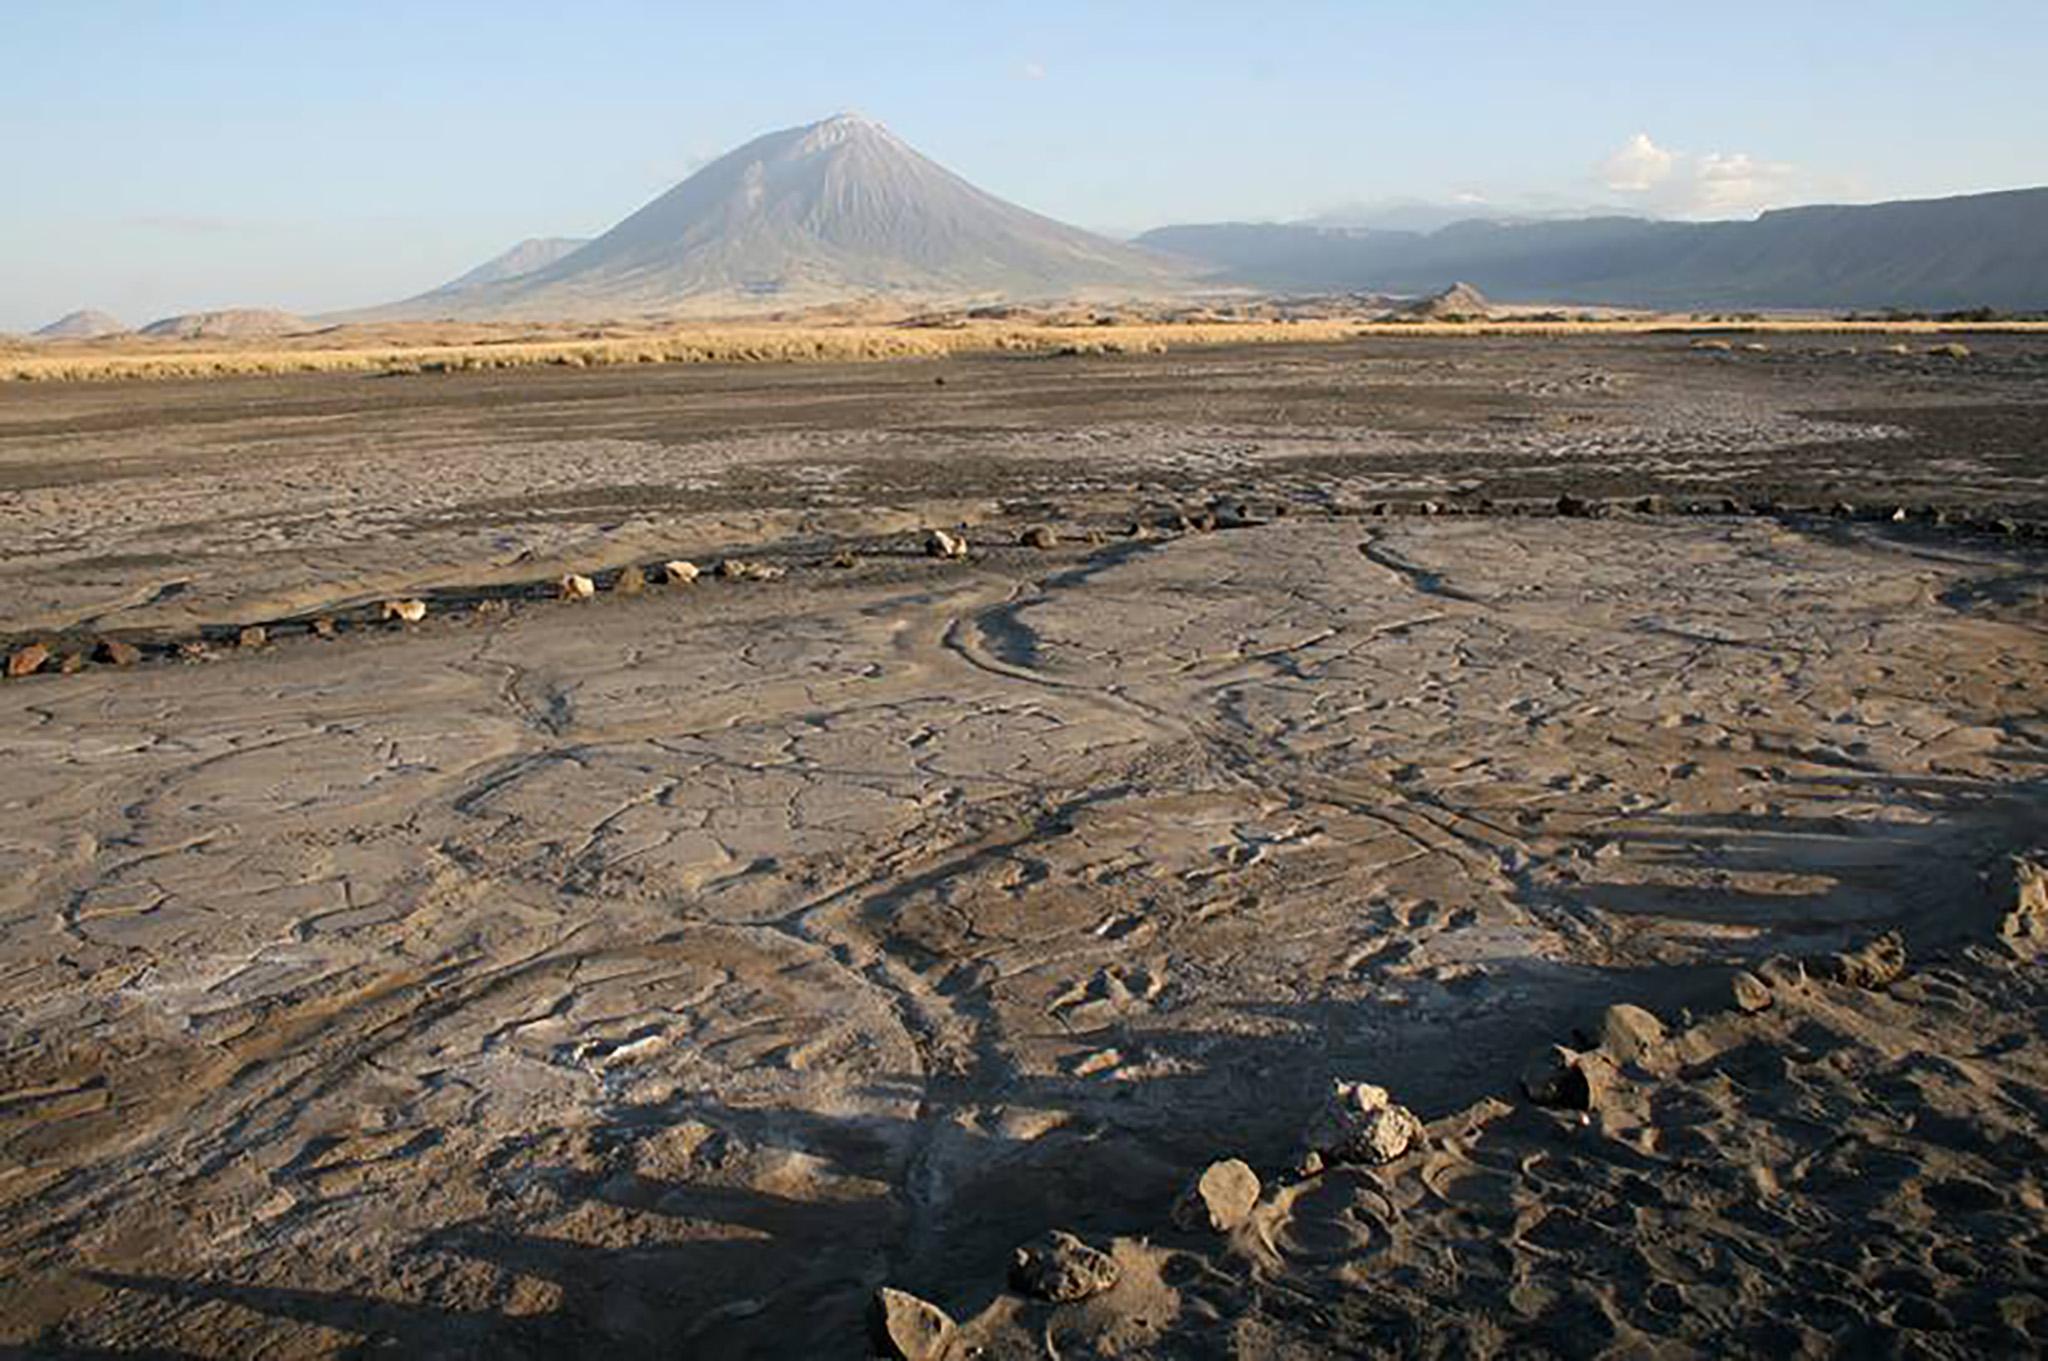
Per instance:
(637,980)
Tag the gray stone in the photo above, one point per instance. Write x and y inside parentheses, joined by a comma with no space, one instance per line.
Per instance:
(1627,1033)
(1061,1268)
(1220,1199)
(1877,963)
(1751,993)
(903,1327)
(1567,1079)
(1359,1123)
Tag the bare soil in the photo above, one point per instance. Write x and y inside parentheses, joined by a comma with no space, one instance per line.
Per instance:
(662,974)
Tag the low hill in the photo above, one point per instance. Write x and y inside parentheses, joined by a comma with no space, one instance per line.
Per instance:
(1459,302)
(235,323)
(84,324)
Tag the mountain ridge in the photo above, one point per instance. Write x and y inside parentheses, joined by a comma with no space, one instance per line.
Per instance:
(1957,252)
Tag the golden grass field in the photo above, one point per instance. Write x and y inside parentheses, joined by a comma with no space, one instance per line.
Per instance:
(431,349)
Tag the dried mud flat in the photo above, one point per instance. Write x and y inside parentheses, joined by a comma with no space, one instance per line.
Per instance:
(663,975)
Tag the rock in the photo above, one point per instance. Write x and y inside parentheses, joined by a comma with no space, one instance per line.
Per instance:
(1359,1123)
(193,650)
(2024,928)
(1652,505)
(27,660)
(575,586)
(1627,1033)
(1877,963)
(1575,507)
(114,652)
(846,559)
(70,663)
(1751,993)
(323,627)
(405,611)
(1951,350)
(678,572)
(1218,1200)
(1782,974)
(1567,1079)
(903,1327)
(1060,1267)
(629,581)
(253,636)
(739,569)
(940,544)
(1039,536)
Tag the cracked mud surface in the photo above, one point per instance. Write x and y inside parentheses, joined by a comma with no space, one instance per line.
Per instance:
(659,976)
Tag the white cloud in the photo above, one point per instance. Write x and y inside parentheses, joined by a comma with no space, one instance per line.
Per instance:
(1639,166)
(1031,70)
(1699,184)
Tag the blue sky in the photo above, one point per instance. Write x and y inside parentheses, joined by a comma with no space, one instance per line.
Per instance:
(160,157)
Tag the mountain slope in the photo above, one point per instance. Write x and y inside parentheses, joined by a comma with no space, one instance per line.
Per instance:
(535,252)
(84,324)
(835,210)
(1975,250)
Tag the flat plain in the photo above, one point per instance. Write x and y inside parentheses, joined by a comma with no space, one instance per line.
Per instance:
(663,973)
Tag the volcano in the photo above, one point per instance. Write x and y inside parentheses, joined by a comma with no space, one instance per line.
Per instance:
(833,211)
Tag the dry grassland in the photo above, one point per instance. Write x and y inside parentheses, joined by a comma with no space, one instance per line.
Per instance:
(350,350)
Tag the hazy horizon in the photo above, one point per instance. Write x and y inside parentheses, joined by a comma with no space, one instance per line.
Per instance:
(234,155)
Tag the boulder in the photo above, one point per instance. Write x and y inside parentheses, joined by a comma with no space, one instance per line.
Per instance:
(323,627)
(255,635)
(1628,1033)
(114,652)
(1039,536)
(1567,1079)
(1359,1123)
(678,572)
(1218,1200)
(2024,927)
(1750,992)
(1782,973)
(903,1327)
(575,586)
(27,660)
(70,663)
(738,569)
(629,581)
(1877,963)
(846,559)
(405,611)
(940,544)
(1061,1268)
